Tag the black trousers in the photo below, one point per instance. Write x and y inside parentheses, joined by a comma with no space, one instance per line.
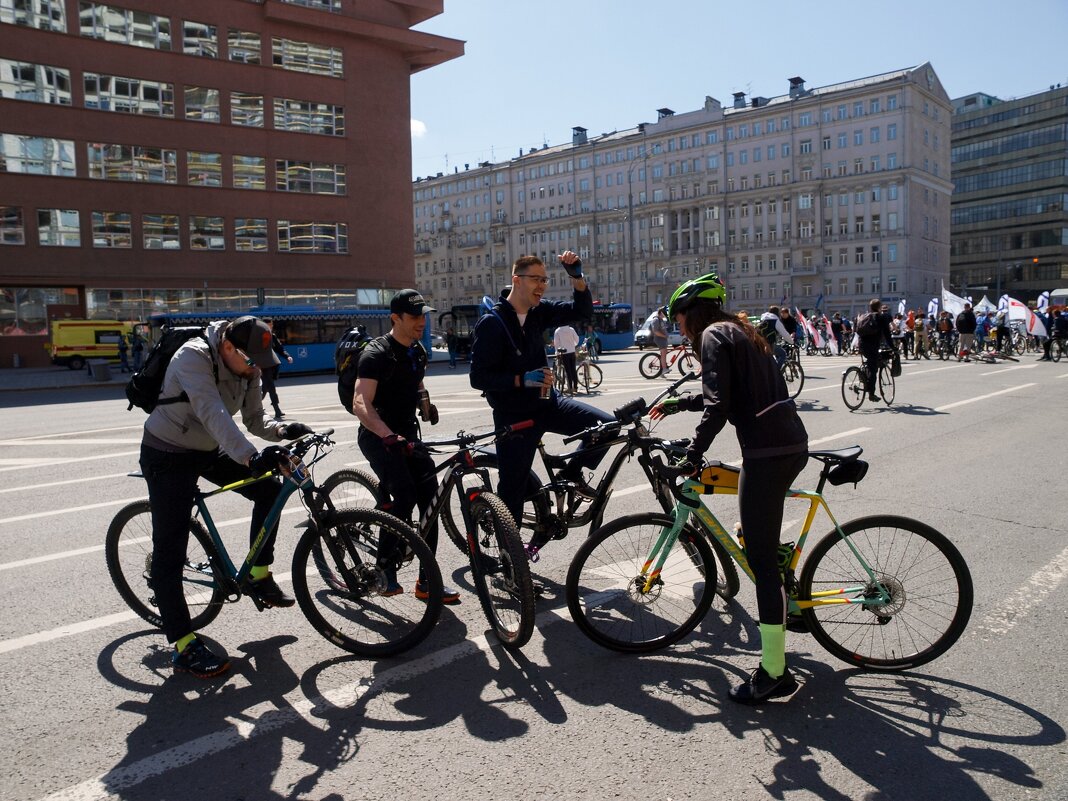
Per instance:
(268,378)
(172,481)
(570,368)
(762,487)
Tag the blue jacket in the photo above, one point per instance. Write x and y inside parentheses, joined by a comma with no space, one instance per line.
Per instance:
(502,349)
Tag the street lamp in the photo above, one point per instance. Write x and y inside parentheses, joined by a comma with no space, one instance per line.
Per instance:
(630,219)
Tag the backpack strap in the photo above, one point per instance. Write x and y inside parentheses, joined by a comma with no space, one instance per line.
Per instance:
(184,397)
(507,333)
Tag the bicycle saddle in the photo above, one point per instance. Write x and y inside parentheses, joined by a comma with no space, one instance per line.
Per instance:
(839,456)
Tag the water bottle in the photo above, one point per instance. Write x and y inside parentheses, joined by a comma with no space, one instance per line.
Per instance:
(546,391)
(738,535)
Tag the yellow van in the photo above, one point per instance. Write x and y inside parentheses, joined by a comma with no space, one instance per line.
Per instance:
(72,342)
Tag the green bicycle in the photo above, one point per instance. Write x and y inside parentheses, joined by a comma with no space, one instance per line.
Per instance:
(346,564)
(881,592)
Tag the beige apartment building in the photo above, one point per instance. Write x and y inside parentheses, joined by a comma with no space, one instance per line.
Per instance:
(822,197)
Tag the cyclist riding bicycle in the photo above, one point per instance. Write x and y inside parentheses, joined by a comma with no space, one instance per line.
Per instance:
(742,385)
(873,330)
(771,327)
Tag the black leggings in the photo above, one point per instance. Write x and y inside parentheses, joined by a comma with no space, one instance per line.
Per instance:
(762,488)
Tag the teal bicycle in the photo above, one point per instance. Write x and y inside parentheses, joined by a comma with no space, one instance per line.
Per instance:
(881,592)
(346,565)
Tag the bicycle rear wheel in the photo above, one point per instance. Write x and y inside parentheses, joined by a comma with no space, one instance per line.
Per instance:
(606,588)
(1057,350)
(128,551)
(887,385)
(794,375)
(928,581)
(360,591)
(590,376)
(352,488)
(853,391)
(649,366)
(688,363)
(501,572)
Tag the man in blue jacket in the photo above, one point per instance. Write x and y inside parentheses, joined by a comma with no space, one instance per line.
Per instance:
(508,363)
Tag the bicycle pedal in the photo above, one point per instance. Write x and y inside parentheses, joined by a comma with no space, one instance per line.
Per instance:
(532,552)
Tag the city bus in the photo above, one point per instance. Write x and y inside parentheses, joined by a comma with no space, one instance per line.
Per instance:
(308,334)
(614,325)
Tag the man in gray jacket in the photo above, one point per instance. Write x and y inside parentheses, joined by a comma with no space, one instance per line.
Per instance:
(192,434)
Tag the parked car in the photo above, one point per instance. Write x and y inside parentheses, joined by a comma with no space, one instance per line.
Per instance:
(644,339)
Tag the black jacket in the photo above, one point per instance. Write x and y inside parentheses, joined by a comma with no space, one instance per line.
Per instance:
(501,349)
(966,322)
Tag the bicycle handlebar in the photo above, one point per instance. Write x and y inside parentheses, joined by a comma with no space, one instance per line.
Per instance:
(464,439)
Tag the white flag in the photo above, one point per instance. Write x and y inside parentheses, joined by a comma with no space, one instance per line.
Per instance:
(954,304)
(1043,301)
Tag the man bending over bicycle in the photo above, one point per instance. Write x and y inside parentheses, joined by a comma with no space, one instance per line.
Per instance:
(192,434)
(389,390)
(508,363)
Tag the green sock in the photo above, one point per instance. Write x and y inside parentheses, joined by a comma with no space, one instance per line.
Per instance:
(259,572)
(184,642)
(773,648)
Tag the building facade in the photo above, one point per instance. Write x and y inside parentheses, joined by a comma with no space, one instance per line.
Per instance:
(202,156)
(1010,199)
(820,197)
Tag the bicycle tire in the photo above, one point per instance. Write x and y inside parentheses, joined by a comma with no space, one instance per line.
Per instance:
(853,391)
(887,385)
(649,365)
(603,593)
(794,375)
(1057,350)
(688,363)
(500,571)
(128,552)
(452,516)
(899,550)
(349,489)
(592,376)
(352,609)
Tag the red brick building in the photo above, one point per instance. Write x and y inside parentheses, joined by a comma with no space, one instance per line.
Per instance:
(203,155)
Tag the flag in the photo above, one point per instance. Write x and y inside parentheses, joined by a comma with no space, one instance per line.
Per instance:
(1043,301)
(832,343)
(810,329)
(819,301)
(932,307)
(1017,311)
(901,306)
(1035,326)
(954,304)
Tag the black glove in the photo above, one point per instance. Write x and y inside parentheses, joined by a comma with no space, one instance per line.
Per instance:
(294,430)
(395,443)
(270,458)
(574,269)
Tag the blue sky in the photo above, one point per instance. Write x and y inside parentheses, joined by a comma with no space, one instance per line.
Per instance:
(532,70)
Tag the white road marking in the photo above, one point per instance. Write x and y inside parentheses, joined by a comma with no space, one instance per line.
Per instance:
(981,397)
(109,477)
(70,509)
(52,462)
(1010,369)
(1031,595)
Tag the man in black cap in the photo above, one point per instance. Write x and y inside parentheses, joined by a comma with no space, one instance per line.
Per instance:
(389,382)
(192,434)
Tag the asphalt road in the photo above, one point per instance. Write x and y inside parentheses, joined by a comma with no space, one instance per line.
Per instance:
(91,710)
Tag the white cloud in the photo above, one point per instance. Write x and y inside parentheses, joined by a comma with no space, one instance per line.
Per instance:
(418,129)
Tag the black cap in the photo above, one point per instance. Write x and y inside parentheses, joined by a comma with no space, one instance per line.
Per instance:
(252,335)
(409,301)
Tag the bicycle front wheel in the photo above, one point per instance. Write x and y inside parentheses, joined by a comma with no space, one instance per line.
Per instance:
(501,572)
(355,575)
(606,586)
(128,551)
(794,375)
(853,391)
(887,386)
(649,366)
(349,489)
(1057,350)
(590,376)
(927,579)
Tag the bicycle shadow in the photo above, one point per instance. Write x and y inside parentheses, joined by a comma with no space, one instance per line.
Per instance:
(901,408)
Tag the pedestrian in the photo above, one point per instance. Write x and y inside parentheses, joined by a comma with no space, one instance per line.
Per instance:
(837,332)
(966,325)
(508,363)
(982,328)
(1001,329)
(124,351)
(137,348)
(743,386)
(451,343)
(593,343)
(198,438)
(565,342)
(270,374)
(389,391)
(919,333)
(873,330)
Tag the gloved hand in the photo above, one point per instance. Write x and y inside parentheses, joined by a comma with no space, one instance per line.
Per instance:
(294,430)
(689,466)
(537,378)
(694,459)
(270,458)
(574,268)
(664,408)
(432,417)
(395,443)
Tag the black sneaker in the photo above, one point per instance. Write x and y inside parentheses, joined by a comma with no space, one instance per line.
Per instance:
(198,660)
(873,397)
(269,593)
(761,687)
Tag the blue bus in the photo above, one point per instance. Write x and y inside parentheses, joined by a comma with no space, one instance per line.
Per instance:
(614,325)
(309,334)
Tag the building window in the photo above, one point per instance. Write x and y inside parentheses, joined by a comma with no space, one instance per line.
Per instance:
(246,109)
(128,95)
(313,237)
(112,229)
(12,228)
(806,146)
(243,46)
(124,26)
(891,102)
(201,104)
(307,57)
(309,176)
(858,137)
(203,169)
(199,39)
(858,286)
(891,252)
(36,155)
(250,234)
(58,228)
(891,283)
(206,233)
(891,131)
(305,116)
(132,163)
(250,172)
(36,83)
(45,15)
(160,232)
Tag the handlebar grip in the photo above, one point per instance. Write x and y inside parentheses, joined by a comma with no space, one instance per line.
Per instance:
(522,424)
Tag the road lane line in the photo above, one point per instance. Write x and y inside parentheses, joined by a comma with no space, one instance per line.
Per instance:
(1010,369)
(981,397)
(109,477)
(1031,595)
(68,510)
(52,463)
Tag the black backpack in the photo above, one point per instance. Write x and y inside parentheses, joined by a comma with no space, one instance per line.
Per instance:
(346,358)
(144,387)
(768,331)
(868,325)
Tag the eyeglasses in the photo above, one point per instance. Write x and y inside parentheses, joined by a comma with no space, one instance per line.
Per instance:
(241,354)
(538,279)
